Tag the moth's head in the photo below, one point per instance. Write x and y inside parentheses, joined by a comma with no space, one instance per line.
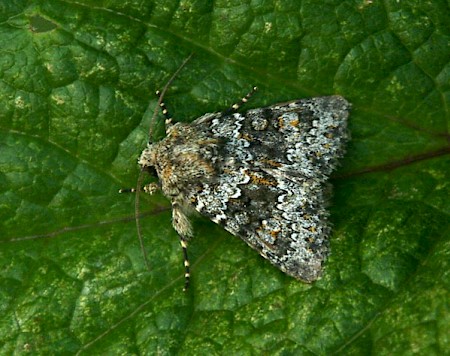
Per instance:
(147,160)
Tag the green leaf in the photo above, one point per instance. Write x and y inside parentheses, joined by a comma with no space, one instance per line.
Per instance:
(77,83)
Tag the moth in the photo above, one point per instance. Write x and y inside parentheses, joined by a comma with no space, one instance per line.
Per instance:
(261,174)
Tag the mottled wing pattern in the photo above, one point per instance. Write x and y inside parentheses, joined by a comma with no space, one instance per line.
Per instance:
(271,170)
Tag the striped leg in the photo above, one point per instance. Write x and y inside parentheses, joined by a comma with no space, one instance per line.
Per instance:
(150,188)
(183,227)
(127,190)
(187,274)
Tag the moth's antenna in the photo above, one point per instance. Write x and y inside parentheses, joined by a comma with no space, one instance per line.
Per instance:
(141,173)
(136,216)
(162,93)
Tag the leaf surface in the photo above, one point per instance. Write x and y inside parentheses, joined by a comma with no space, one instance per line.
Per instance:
(77,83)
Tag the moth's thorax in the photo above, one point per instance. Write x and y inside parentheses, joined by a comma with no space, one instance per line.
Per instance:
(183,159)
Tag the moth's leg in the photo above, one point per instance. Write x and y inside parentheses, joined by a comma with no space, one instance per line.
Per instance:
(127,190)
(235,107)
(150,188)
(187,274)
(164,110)
(183,227)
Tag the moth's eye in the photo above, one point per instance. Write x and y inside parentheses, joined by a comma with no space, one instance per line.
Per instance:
(151,170)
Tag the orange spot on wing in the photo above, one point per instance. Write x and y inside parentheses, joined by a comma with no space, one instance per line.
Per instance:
(275,233)
(280,122)
(271,163)
(246,137)
(261,180)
